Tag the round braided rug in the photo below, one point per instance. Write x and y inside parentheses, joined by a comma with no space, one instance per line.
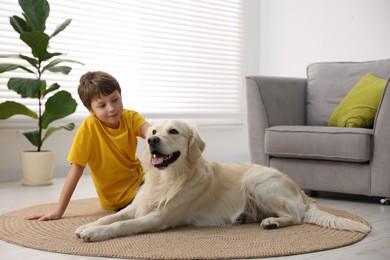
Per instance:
(239,241)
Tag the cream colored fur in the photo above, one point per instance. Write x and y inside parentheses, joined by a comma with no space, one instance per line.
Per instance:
(194,191)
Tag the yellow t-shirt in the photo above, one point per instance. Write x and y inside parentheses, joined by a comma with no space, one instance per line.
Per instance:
(111,156)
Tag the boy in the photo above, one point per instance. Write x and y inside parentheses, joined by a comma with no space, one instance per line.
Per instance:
(107,142)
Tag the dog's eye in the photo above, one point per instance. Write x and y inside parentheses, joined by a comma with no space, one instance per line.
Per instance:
(173,132)
(154,132)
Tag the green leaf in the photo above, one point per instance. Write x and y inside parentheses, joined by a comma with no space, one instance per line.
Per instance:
(62,69)
(38,42)
(42,89)
(36,13)
(60,28)
(32,61)
(25,87)
(4,67)
(33,137)
(11,108)
(9,56)
(51,130)
(60,105)
(53,87)
(48,55)
(19,24)
(57,61)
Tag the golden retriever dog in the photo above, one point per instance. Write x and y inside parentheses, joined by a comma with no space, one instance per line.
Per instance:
(183,188)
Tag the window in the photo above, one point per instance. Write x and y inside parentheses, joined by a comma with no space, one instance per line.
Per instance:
(173,59)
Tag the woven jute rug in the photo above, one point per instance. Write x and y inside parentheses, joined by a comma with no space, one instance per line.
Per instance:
(239,241)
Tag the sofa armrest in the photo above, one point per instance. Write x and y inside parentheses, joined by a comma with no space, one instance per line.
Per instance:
(380,166)
(272,101)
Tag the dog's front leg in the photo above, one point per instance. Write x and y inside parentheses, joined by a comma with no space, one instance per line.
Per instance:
(126,213)
(154,221)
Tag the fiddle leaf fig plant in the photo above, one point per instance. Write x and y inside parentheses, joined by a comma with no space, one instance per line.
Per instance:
(53,104)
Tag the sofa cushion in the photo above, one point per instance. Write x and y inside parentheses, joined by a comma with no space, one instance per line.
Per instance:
(358,108)
(323,143)
(329,82)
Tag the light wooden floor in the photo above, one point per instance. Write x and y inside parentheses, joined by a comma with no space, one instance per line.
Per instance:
(375,246)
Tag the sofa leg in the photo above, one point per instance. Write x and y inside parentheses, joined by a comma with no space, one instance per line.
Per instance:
(385,201)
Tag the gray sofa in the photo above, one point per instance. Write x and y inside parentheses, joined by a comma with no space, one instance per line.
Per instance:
(287,124)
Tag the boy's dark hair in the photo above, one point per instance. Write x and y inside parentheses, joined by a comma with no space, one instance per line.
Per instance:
(96,83)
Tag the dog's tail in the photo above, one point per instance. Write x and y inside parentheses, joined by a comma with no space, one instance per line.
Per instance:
(315,215)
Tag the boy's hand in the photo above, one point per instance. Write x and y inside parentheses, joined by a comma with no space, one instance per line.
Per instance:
(71,181)
(52,215)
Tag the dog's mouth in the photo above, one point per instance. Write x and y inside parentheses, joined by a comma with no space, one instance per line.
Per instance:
(161,161)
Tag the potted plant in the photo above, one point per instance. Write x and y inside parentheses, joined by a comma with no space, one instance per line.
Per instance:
(53,104)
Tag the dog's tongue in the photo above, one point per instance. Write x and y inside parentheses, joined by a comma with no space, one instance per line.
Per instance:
(159,159)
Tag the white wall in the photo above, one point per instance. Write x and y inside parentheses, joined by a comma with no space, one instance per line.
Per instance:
(282,38)
(295,33)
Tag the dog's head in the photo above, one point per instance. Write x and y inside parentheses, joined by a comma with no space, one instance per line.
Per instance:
(172,142)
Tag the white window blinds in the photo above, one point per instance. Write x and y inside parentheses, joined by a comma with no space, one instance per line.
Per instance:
(173,59)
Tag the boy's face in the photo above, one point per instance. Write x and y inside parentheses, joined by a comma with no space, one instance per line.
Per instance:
(108,109)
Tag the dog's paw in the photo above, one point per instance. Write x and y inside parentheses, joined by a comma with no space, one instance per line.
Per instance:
(93,233)
(270,223)
(80,229)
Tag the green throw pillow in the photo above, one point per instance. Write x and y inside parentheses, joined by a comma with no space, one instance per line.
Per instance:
(358,108)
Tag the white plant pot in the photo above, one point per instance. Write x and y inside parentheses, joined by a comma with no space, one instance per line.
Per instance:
(37,167)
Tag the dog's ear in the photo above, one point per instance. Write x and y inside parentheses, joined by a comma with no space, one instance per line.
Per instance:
(195,145)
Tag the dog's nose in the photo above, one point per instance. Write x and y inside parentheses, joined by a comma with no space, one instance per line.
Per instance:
(153,140)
